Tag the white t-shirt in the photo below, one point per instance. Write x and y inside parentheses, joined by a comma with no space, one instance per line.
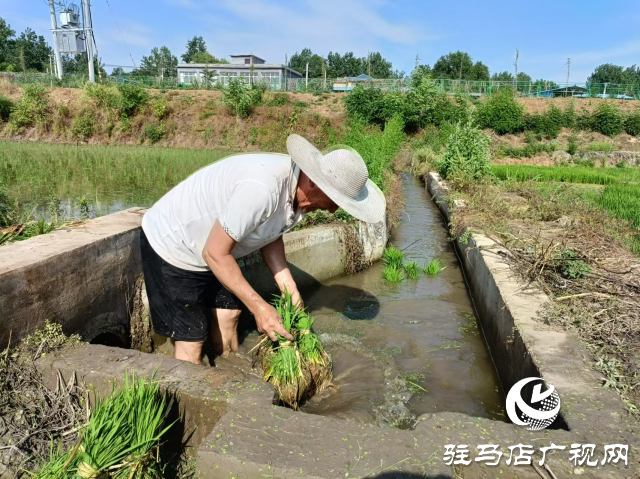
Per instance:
(251,195)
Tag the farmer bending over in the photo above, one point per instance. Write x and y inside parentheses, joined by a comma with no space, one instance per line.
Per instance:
(194,234)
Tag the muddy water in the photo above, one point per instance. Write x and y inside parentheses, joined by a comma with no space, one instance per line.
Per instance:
(406,349)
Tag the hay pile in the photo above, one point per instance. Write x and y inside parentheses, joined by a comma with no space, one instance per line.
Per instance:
(297,369)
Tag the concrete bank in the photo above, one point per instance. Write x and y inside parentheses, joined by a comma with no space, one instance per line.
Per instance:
(523,347)
(84,277)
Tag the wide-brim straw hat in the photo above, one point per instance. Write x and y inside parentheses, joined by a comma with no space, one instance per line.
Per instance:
(342,175)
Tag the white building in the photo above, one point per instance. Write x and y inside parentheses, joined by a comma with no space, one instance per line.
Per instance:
(246,66)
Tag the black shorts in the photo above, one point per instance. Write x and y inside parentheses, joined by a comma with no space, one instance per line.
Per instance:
(180,301)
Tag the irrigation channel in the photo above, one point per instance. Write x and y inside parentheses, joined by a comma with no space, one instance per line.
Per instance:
(404,349)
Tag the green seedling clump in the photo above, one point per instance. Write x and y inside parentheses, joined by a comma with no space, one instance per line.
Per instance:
(412,269)
(393,273)
(433,267)
(297,369)
(392,256)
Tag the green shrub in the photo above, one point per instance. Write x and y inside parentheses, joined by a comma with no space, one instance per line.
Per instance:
(105,96)
(422,102)
(448,111)
(366,103)
(240,98)
(607,119)
(6,105)
(501,112)
(548,124)
(133,97)
(528,151)
(569,115)
(631,123)
(601,146)
(468,152)
(572,146)
(155,132)
(32,108)
(159,107)
(83,126)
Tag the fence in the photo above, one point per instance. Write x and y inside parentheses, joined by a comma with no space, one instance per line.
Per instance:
(535,89)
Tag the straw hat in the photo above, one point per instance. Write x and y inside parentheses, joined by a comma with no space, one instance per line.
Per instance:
(342,175)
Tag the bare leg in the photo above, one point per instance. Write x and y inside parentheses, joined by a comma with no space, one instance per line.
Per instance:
(188,351)
(224,331)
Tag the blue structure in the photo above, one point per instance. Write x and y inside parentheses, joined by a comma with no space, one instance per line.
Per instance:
(349,83)
(574,91)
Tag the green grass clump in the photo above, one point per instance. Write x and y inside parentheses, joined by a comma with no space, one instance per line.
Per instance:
(32,108)
(392,256)
(600,146)
(393,273)
(433,267)
(296,369)
(622,201)
(412,269)
(528,151)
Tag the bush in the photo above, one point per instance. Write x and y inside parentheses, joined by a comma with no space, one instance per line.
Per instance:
(366,103)
(607,119)
(421,103)
(501,112)
(83,126)
(569,116)
(451,111)
(32,108)
(240,98)
(133,97)
(468,152)
(105,96)
(631,123)
(6,105)
(549,124)
(155,132)
(572,146)
(159,107)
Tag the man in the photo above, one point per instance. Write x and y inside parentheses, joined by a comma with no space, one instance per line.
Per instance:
(194,234)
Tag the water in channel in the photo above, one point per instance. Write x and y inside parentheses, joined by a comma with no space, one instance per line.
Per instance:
(405,349)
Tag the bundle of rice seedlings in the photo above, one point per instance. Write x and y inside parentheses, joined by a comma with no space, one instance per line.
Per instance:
(433,267)
(412,269)
(296,369)
(393,273)
(392,256)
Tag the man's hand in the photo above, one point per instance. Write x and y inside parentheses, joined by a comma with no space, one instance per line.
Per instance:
(296,299)
(269,322)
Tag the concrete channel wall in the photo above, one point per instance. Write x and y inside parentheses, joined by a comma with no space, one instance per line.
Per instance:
(520,345)
(84,277)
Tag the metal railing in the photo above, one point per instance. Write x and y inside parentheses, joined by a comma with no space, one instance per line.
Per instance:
(537,89)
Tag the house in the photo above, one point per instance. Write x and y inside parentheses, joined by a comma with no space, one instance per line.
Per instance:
(250,67)
(349,83)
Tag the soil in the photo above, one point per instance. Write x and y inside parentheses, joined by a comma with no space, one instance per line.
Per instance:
(539,105)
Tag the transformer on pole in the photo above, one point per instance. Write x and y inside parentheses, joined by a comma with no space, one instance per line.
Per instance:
(73,36)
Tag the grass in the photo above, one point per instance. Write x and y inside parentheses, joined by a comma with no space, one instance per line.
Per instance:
(392,256)
(110,178)
(568,174)
(622,201)
(412,269)
(601,146)
(393,273)
(433,267)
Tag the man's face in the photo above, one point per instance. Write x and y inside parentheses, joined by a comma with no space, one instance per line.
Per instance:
(311,198)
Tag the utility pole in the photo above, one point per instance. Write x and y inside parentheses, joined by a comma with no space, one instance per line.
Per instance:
(56,47)
(417,61)
(88,34)
(516,65)
(566,90)
(306,83)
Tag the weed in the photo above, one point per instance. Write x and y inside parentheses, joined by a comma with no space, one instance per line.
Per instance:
(600,146)
(501,112)
(547,124)
(253,131)
(159,107)
(528,151)
(572,146)
(206,114)
(83,125)
(155,132)
(570,265)
(6,105)
(47,339)
(105,96)
(433,267)
(607,119)
(133,98)
(84,207)
(631,122)
(412,381)
(412,269)
(207,134)
(468,152)
(32,108)
(240,98)
(393,273)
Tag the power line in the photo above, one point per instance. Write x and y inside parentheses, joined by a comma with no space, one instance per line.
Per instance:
(121,35)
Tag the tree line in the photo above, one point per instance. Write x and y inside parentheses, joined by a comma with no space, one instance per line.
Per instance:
(30,52)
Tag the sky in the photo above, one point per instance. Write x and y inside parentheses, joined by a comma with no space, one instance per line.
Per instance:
(590,32)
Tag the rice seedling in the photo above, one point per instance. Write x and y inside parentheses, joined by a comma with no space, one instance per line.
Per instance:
(412,269)
(568,174)
(392,256)
(296,369)
(393,273)
(433,267)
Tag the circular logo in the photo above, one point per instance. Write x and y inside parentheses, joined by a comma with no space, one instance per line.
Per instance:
(537,414)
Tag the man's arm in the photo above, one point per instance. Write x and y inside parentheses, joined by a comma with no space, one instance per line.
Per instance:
(274,257)
(217,255)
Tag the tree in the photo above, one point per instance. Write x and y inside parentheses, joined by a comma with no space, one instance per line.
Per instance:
(607,73)
(544,85)
(317,64)
(420,72)
(350,65)
(502,76)
(159,63)
(31,51)
(117,72)
(378,67)
(523,77)
(6,36)
(195,45)
(206,57)
(78,65)
(459,66)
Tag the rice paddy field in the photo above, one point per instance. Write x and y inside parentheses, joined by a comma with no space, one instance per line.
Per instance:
(106,178)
